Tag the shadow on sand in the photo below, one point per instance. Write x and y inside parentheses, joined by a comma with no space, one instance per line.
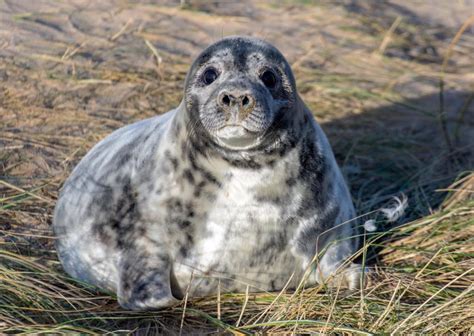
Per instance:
(400,148)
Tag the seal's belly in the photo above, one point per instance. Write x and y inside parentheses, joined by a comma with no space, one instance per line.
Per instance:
(244,243)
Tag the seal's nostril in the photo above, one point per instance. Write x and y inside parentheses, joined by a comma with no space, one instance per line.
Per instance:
(226,100)
(241,101)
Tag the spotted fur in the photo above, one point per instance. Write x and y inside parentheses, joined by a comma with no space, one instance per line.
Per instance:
(164,201)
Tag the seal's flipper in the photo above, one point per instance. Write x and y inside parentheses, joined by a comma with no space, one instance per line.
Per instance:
(145,281)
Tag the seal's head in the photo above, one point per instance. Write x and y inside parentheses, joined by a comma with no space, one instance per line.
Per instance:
(237,89)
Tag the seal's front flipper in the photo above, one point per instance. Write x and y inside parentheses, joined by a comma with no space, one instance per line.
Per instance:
(145,282)
(334,271)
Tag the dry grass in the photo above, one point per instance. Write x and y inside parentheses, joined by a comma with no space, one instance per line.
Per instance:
(424,283)
(371,80)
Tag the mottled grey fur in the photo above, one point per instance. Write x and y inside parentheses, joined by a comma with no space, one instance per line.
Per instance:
(213,191)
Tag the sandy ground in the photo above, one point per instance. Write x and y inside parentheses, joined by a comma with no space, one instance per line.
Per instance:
(73,71)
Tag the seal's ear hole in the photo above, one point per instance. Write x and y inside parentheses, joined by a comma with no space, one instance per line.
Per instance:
(209,76)
(269,79)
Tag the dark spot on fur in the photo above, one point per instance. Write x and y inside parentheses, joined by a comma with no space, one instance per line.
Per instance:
(312,168)
(183,251)
(199,188)
(210,178)
(188,175)
(200,146)
(120,215)
(174,161)
(184,150)
(190,210)
(269,248)
(317,233)
(240,163)
(184,224)
(275,199)
(291,181)
(126,285)
(189,239)
(104,235)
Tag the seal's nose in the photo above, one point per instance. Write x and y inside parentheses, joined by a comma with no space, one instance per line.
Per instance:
(236,101)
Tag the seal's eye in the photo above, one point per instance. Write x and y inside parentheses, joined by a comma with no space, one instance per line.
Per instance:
(209,76)
(269,79)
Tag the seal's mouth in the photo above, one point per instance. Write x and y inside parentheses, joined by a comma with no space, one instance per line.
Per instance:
(236,137)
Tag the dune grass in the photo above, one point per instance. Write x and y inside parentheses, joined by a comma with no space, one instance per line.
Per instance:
(422,282)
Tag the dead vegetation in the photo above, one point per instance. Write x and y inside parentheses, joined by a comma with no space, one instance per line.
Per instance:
(399,122)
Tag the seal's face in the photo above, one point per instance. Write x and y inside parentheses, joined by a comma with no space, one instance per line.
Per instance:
(237,89)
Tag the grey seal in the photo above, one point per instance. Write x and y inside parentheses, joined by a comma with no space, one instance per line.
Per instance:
(236,187)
